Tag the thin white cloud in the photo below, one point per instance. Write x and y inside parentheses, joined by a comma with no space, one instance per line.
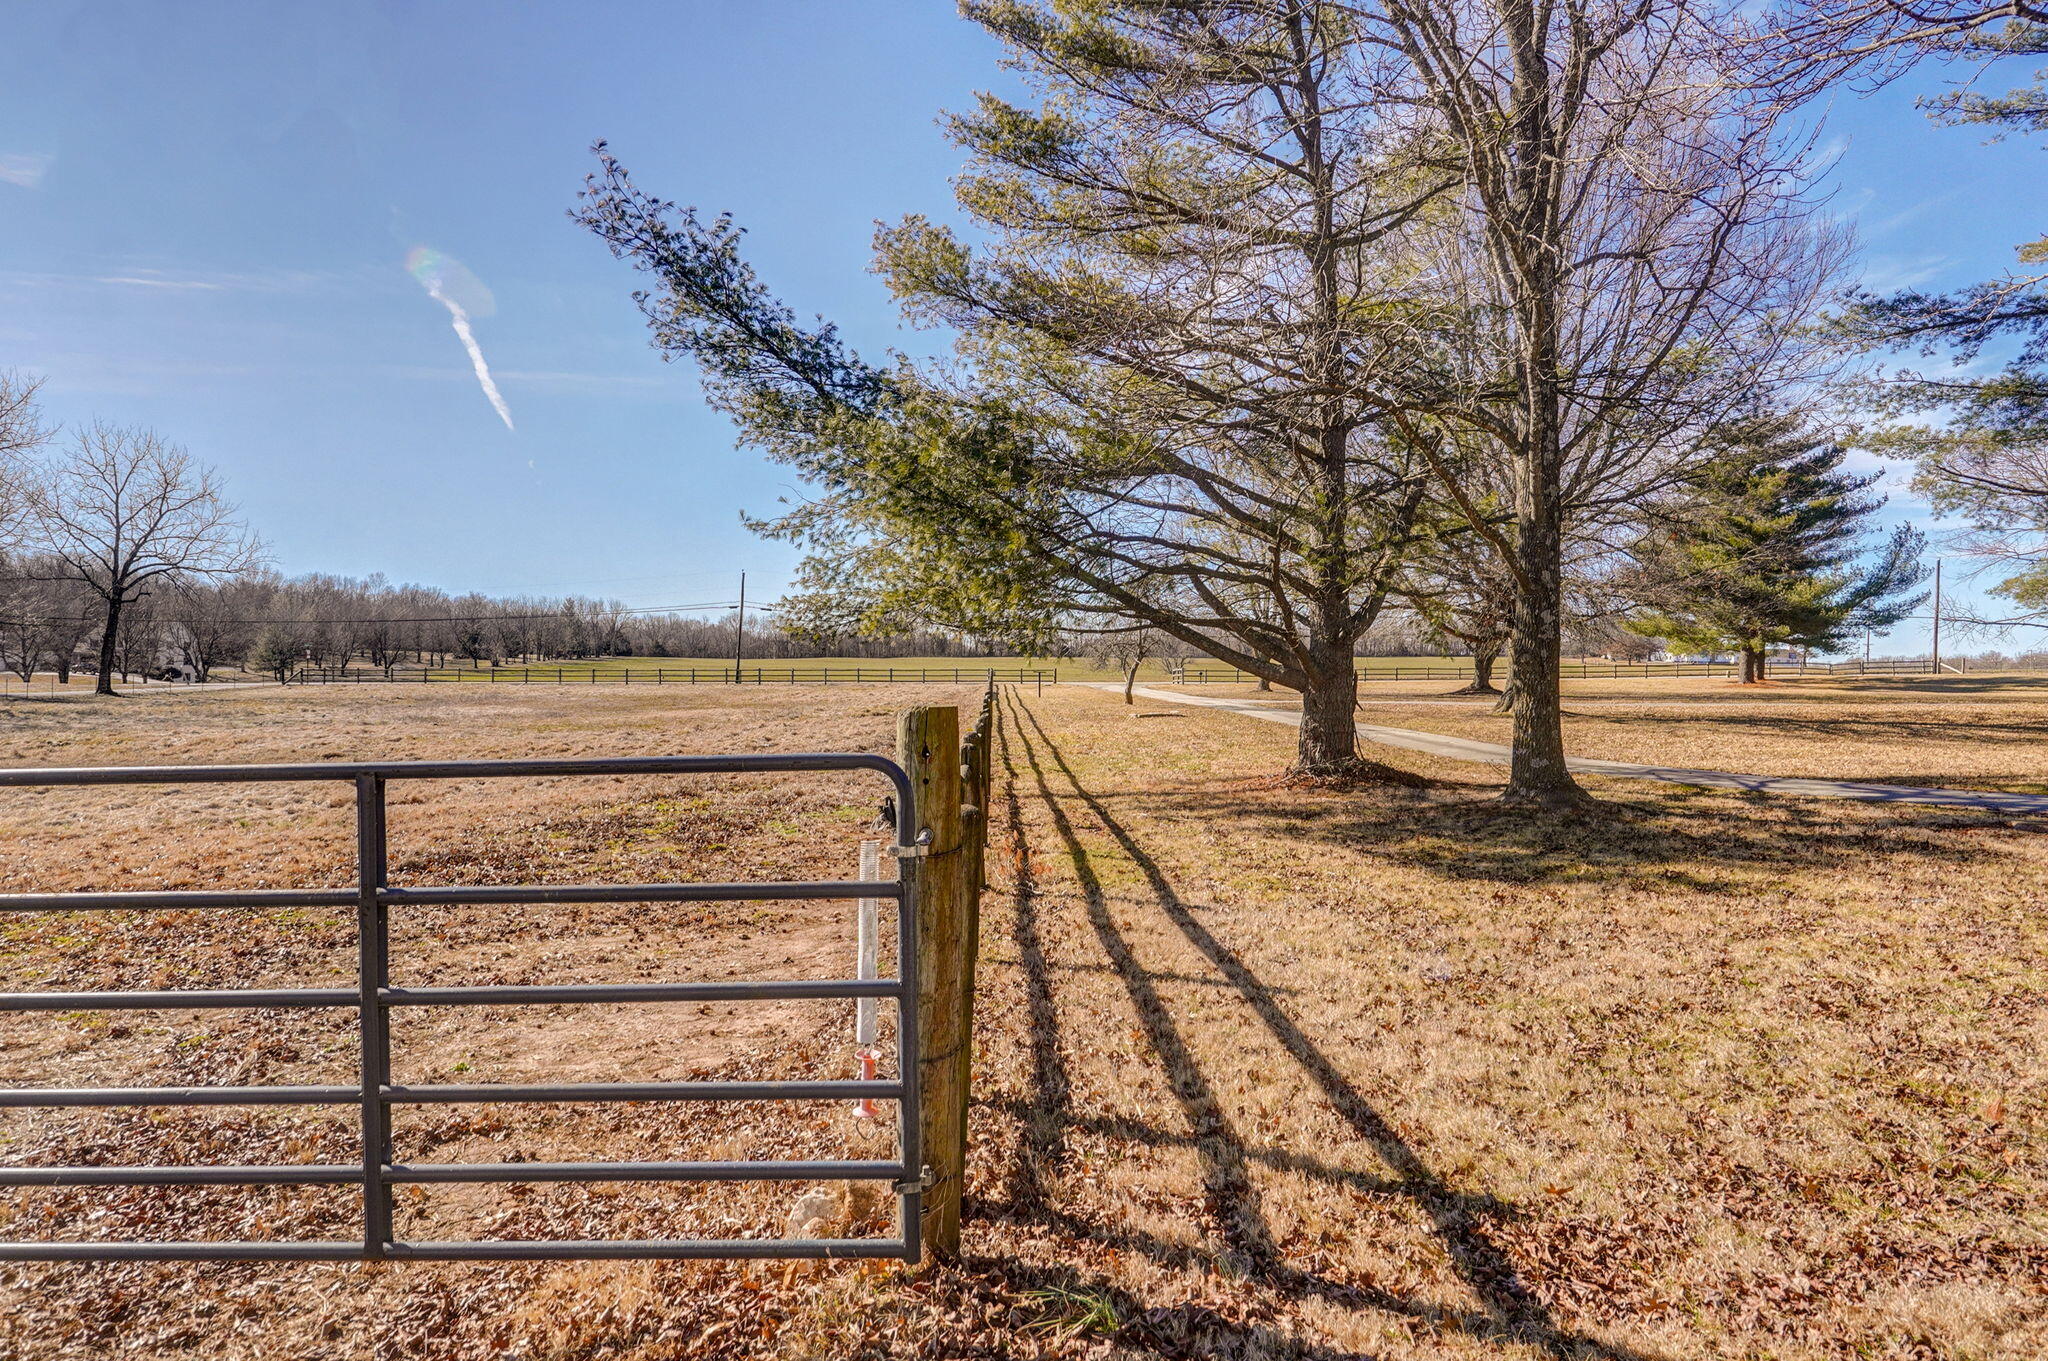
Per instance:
(138,281)
(1890,273)
(122,275)
(24,168)
(593,382)
(1895,476)
(1899,219)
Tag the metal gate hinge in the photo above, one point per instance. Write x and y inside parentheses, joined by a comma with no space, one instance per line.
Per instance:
(924,1182)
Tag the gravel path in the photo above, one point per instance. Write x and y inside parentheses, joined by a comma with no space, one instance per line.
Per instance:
(1468,749)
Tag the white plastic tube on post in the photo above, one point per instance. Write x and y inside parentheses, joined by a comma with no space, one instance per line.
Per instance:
(867,966)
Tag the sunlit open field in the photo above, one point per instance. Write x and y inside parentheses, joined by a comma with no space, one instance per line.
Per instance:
(1711,1076)
(1266,1069)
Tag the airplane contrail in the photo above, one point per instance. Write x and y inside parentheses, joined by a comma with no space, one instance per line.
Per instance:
(476,354)
(435,271)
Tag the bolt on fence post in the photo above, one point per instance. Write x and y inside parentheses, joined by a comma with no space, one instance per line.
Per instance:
(928,749)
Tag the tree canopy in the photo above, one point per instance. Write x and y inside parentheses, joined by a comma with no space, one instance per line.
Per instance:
(1255,287)
(1177,353)
(1978,432)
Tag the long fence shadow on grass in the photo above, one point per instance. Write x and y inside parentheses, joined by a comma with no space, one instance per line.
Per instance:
(1508,1310)
(1048,1116)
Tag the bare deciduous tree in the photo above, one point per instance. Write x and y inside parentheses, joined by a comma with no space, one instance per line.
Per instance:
(1464,594)
(1125,649)
(126,508)
(213,619)
(22,432)
(1634,251)
(24,623)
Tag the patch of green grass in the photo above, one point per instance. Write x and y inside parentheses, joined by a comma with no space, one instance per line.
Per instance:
(1073,1313)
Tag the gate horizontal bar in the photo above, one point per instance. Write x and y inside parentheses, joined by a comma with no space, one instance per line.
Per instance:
(792,989)
(20,1097)
(750,1248)
(836,1089)
(830,1090)
(640,893)
(351,1174)
(178,900)
(764,764)
(824,1170)
(771,891)
(179,999)
(550,1249)
(308,1174)
(183,1252)
(199,999)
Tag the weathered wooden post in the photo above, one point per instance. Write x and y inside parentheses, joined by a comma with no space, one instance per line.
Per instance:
(928,749)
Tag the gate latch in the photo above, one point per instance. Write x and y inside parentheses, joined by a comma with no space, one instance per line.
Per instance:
(924,1181)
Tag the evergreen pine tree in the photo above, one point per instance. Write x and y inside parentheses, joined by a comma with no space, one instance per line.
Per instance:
(1764,546)
(274,651)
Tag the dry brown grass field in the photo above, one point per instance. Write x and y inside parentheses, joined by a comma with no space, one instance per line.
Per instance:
(1266,1069)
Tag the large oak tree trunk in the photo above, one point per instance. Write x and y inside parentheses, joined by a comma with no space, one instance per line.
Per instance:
(1329,726)
(1482,671)
(1329,721)
(1482,674)
(109,645)
(1537,774)
(1531,257)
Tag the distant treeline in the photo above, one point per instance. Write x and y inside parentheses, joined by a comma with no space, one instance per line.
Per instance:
(261,621)
(265,622)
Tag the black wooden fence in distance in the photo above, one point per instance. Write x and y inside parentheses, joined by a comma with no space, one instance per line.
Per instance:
(674,675)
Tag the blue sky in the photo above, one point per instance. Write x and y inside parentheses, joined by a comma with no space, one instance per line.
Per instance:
(206,208)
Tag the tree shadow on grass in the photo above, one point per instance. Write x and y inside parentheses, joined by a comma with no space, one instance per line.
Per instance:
(1936,685)
(1788,726)
(1705,840)
(1508,1310)
(1185,1332)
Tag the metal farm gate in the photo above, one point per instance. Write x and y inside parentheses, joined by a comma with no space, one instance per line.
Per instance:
(373,997)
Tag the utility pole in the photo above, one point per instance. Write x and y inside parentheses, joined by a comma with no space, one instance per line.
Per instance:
(739,634)
(1937,616)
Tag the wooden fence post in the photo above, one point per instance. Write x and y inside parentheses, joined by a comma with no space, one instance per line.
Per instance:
(928,749)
